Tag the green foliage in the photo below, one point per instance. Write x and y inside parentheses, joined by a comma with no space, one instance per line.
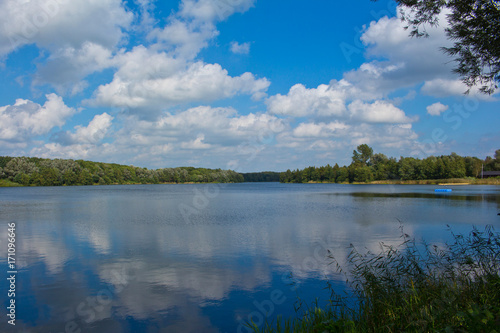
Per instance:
(413,288)
(46,172)
(473,27)
(362,154)
(22,178)
(266,176)
(366,167)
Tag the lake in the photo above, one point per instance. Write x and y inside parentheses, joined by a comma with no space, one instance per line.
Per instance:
(204,258)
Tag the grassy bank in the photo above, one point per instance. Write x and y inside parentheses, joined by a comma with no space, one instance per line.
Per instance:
(414,288)
(450,181)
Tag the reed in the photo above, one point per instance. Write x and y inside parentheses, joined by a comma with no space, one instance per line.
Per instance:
(413,287)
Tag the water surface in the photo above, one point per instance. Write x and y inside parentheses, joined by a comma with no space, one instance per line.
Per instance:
(204,258)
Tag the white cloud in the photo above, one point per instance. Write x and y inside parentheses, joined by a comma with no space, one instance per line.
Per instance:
(104,152)
(155,80)
(190,29)
(183,39)
(79,37)
(320,130)
(452,87)
(301,102)
(213,10)
(198,136)
(436,109)
(56,24)
(26,119)
(330,100)
(94,132)
(377,112)
(401,61)
(85,142)
(196,143)
(324,137)
(238,48)
(66,67)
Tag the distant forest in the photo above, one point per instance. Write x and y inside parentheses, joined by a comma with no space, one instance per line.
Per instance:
(367,166)
(47,172)
(266,176)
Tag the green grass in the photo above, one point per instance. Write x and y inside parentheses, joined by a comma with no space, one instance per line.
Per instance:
(469,180)
(413,288)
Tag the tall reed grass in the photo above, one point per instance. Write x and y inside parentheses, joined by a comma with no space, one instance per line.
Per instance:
(413,287)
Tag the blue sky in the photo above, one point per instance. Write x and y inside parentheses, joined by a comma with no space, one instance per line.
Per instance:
(249,85)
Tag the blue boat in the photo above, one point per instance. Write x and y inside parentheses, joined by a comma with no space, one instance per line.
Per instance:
(442,190)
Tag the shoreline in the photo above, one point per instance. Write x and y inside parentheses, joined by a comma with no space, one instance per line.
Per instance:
(437,182)
(8,183)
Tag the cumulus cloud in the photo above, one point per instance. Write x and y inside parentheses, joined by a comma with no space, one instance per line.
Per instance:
(163,81)
(452,87)
(197,143)
(416,59)
(330,100)
(184,39)
(196,136)
(91,134)
(26,119)
(193,26)
(218,125)
(66,67)
(238,48)
(301,102)
(79,37)
(55,24)
(213,10)
(321,137)
(101,152)
(436,109)
(320,130)
(377,112)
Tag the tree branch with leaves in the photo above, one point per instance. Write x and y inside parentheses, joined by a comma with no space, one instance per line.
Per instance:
(474,27)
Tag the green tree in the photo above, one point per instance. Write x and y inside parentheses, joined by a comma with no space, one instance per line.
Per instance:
(363,174)
(474,27)
(50,177)
(362,154)
(69,177)
(342,175)
(85,177)
(496,162)
(22,178)
(409,168)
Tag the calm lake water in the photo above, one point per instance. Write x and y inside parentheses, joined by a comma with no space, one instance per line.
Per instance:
(204,258)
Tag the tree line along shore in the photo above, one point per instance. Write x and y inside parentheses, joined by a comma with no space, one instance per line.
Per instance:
(366,167)
(33,171)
